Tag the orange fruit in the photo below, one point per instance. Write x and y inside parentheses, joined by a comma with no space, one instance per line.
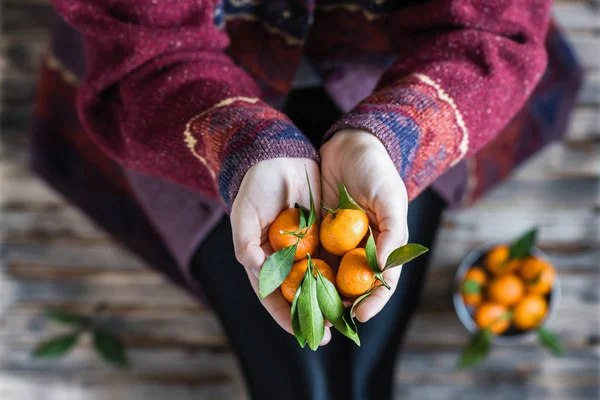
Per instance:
(496,261)
(289,221)
(292,281)
(507,290)
(530,312)
(343,231)
(538,275)
(472,288)
(354,275)
(492,316)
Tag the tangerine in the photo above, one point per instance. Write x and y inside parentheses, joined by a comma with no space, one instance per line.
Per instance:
(530,312)
(507,290)
(473,285)
(497,261)
(354,276)
(342,230)
(292,281)
(492,316)
(538,275)
(289,221)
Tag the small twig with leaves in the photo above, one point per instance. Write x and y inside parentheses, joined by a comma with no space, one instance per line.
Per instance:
(107,344)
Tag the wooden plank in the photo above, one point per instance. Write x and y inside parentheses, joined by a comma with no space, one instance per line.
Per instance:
(590,89)
(586,46)
(47,223)
(19,17)
(15,386)
(108,255)
(576,15)
(547,193)
(564,160)
(149,289)
(485,223)
(172,328)
(532,363)
(584,124)
(84,362)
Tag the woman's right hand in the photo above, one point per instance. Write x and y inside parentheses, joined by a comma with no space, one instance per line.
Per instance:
(268,188)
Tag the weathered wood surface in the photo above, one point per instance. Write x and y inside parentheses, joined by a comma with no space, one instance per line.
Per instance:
(53,256)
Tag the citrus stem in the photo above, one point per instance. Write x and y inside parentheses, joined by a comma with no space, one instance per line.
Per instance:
(330,211)
(383,282)
(297,234)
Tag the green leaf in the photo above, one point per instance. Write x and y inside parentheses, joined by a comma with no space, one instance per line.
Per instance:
(296,319)
(471,287)
(312,215)
(333,309)
(371,251)
(329,300)
(275,269)
(348,327)
(477,349)
(550,340)
(312,323)
(523,246)
(349,320)
(303,216)
(65,317)
(346,201)
(110,348)
(56,346)
(404,254)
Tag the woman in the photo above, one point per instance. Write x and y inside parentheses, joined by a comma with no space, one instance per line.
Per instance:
(209,107)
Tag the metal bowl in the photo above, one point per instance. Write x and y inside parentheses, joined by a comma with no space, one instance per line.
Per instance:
(512,336)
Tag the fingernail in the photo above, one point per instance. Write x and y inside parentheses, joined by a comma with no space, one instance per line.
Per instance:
(255,272)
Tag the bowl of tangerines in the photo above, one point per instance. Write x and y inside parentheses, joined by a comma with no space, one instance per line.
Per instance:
(316,291)
(506,294)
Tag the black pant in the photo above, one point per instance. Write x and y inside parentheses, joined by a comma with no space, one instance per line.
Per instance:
(275,367)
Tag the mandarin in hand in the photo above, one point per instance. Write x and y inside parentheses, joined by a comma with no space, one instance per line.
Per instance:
(289,221)
(354,276)
(496,261)
(492,316)
(530,312)
(473,285)
(342,230)
(291,283)
(507,290)
(538,275)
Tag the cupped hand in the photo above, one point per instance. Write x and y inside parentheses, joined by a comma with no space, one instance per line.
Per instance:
(268,188)
(359,160)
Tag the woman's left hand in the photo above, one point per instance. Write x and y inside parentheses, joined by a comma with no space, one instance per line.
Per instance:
(359,160)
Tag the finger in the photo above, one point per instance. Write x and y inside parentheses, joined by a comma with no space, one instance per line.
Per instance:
(392,213)
(391,210)
(274,303)
(247,235)
(326,337)
(374,303)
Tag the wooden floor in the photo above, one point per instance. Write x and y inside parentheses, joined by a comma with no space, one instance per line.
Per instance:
(51,255)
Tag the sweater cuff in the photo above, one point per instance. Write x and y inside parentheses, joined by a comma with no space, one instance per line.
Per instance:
(419,125)
(233,135)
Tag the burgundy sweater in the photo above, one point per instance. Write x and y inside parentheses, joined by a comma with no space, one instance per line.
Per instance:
(188,90)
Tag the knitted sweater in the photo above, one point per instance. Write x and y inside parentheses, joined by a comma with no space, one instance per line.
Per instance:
(189,90)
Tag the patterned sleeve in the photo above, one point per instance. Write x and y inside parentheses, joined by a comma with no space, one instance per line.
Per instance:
(464,69)
(161,96)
